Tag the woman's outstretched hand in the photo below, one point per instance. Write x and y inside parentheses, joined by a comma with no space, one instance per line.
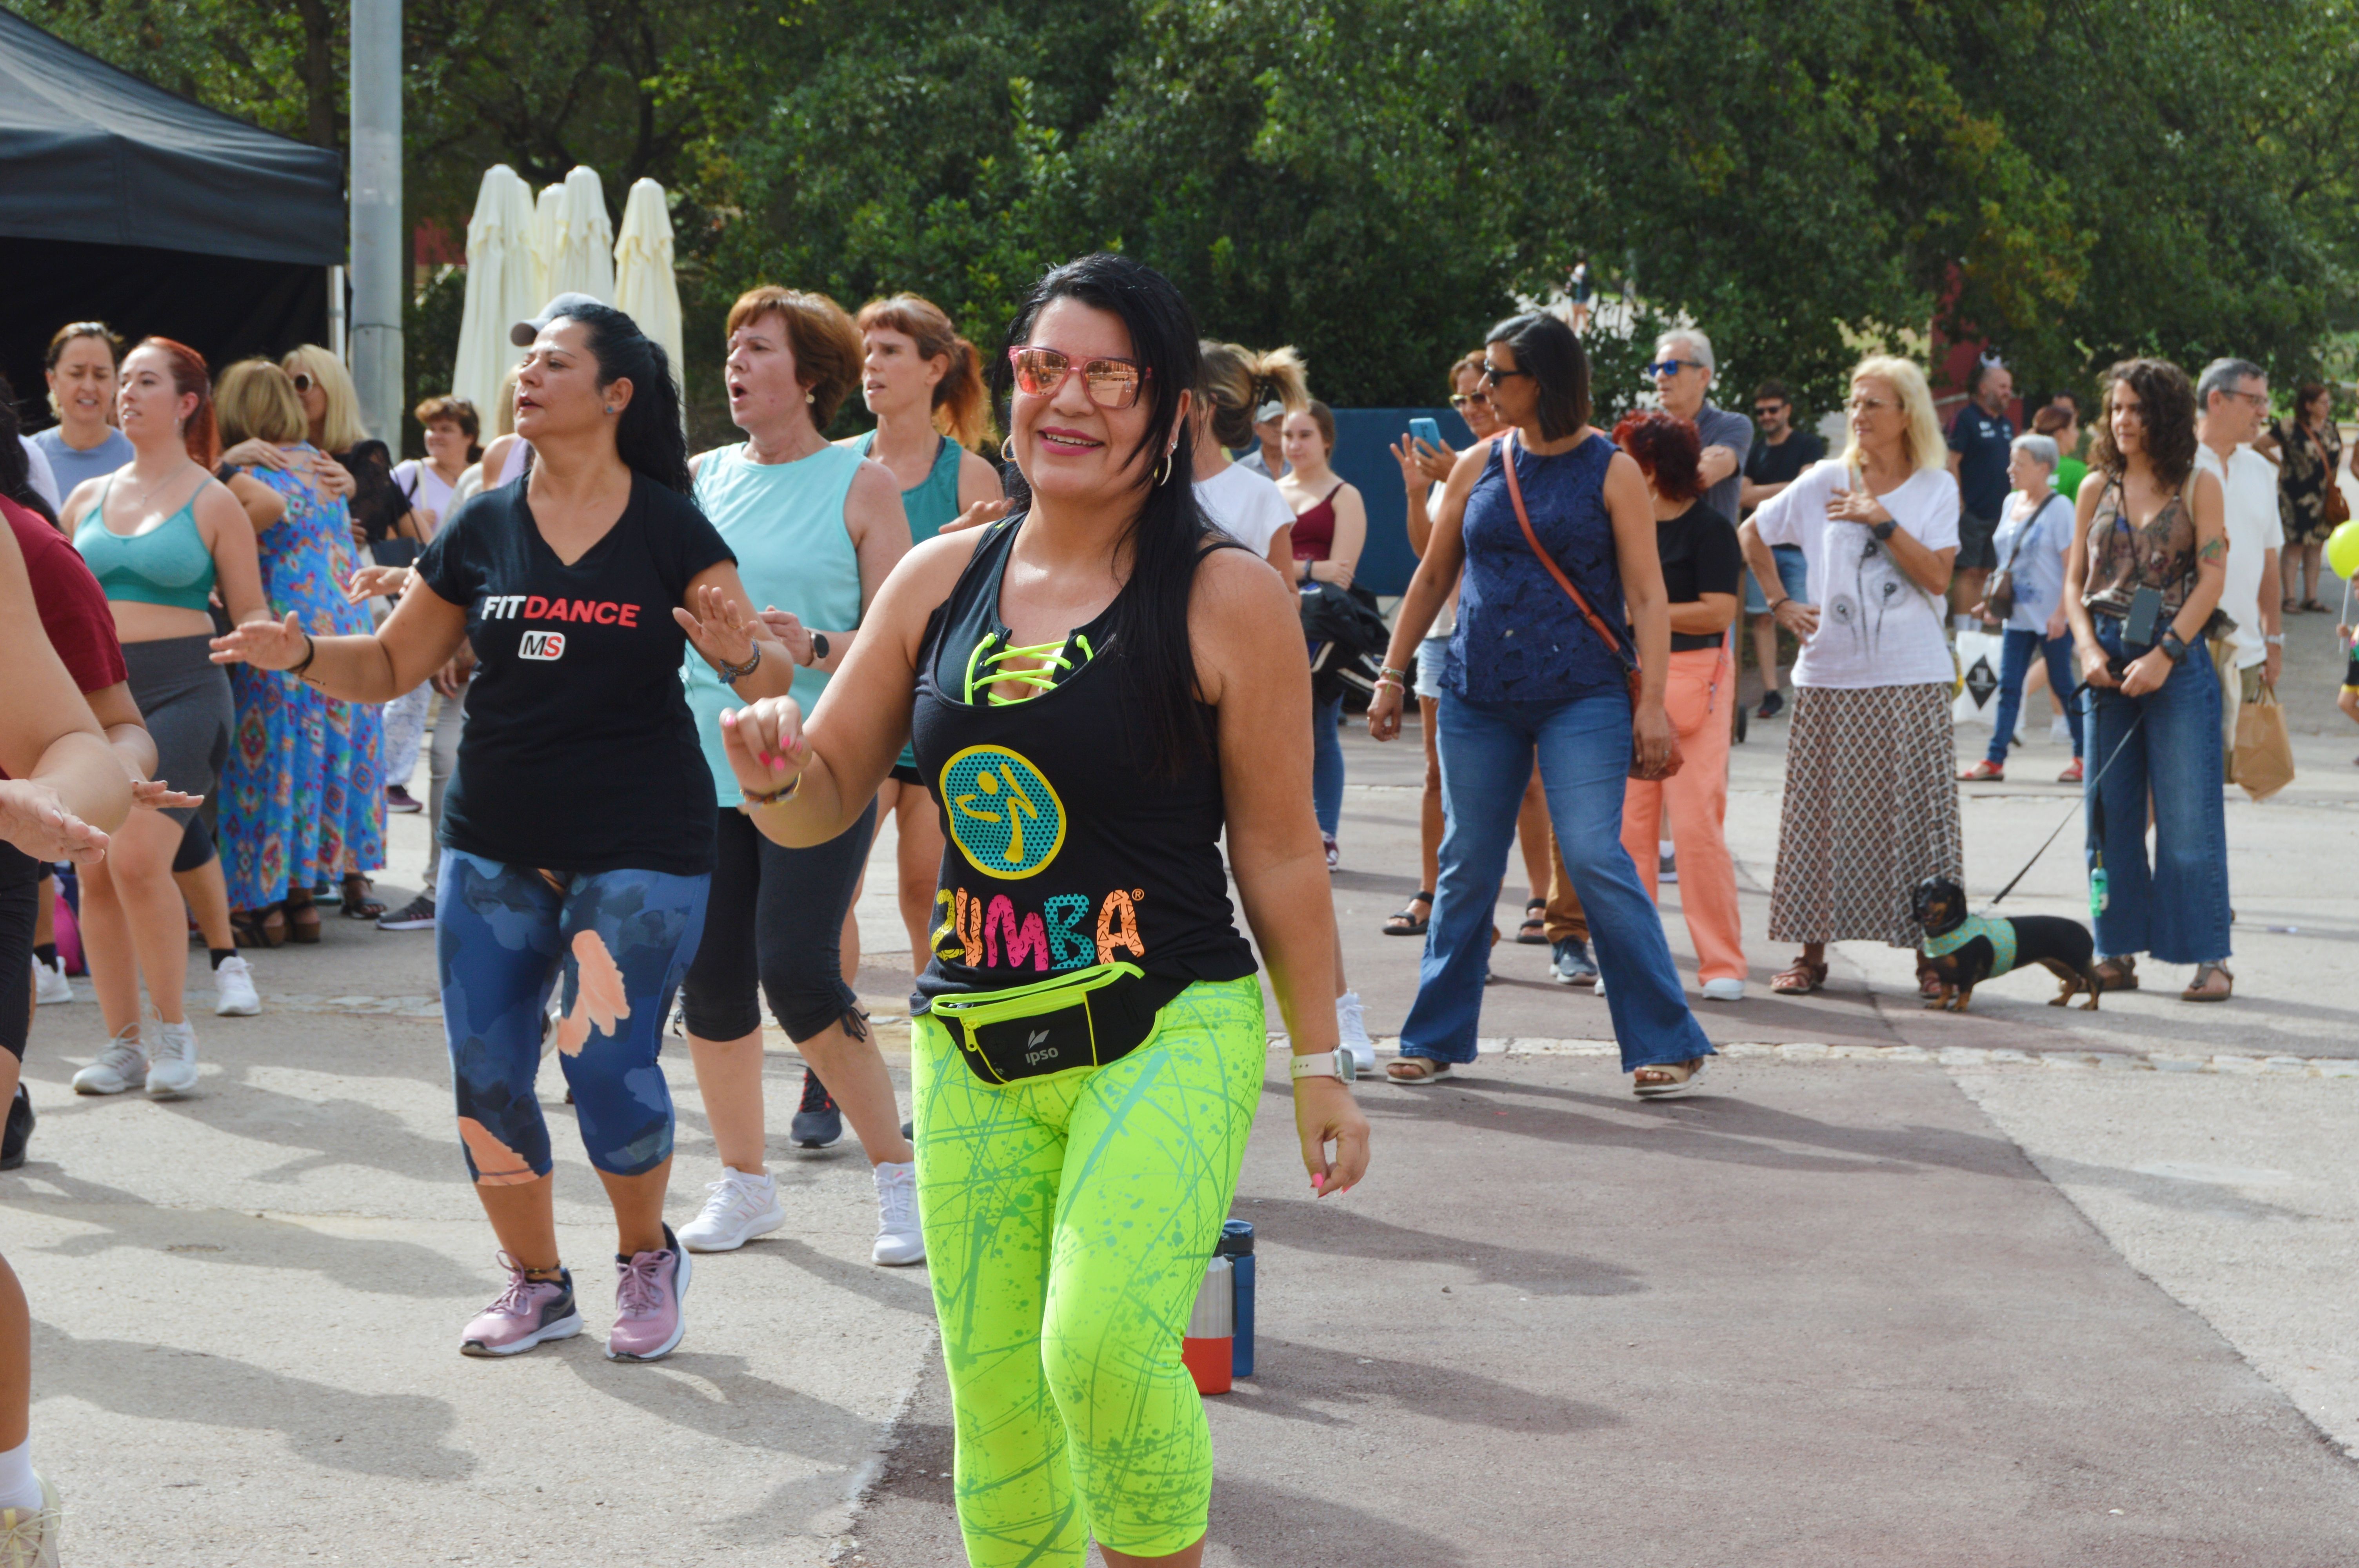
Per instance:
(1385,711)
(34,819)
(724,637)
(266,644)
(154,794)
(789,629)
(975,516)
(764,744)
(370,581)
(1325,1113)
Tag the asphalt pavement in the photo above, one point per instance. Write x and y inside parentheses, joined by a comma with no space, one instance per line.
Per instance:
(2028,1286)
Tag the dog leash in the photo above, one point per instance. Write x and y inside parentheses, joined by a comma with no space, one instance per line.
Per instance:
(2076,810)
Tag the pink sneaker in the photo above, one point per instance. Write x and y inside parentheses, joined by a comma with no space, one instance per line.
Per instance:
(648,1286)
(528,1311)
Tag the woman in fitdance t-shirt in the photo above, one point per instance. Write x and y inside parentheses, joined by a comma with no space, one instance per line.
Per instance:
(577,837)
(1101,684)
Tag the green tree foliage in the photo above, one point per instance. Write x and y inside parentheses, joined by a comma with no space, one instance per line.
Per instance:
(1377,180)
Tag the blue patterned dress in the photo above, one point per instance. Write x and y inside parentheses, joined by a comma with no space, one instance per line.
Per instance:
(303,799)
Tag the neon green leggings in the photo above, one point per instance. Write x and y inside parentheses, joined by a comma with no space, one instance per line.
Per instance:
(1068,1224)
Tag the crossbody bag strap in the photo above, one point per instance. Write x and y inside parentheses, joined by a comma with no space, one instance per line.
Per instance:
(1515,494)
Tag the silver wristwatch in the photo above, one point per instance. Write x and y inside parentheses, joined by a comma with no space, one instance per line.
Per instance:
(1325,1064)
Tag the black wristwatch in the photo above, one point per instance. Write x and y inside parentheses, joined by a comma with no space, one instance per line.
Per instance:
(2172,648)
(819,646)
(1883,530)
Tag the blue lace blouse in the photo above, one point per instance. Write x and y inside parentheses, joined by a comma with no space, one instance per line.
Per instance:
(1520,638)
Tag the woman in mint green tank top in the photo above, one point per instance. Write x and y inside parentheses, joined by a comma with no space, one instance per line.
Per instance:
(816,529)
(924,384)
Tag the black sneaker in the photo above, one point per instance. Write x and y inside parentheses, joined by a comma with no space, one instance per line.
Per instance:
(418,914)
(20,1131)
(817,1122)
(1773,703)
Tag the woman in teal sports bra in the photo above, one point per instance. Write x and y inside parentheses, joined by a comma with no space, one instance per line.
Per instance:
(162,534)
(924,384)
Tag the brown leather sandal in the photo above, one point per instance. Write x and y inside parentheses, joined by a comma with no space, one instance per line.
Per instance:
(2118,974)
(1799,977)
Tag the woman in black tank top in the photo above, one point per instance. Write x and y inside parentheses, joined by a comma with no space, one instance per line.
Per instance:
(1097,689)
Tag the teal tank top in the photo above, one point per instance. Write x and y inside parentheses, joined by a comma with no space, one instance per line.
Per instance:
(932,505)
(785,521)
(167,565)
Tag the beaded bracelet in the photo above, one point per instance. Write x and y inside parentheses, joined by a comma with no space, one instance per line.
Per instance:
(776,796)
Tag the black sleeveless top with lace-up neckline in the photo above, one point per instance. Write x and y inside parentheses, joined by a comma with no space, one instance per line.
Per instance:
(1064,849)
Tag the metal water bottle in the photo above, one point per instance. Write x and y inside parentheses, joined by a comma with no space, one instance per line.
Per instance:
(2097,888)
(1211,1325)
(1238,1247)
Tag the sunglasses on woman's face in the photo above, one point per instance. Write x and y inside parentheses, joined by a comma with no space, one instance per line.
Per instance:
(1111,384)
(1494,375)
(1465,400)
(303,382)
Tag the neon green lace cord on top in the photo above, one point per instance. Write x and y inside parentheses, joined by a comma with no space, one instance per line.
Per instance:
(1043,677)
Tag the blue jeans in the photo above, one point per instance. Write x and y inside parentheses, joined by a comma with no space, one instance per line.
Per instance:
(2178,910)
(1327,763)
(1583,746)
(2013,666)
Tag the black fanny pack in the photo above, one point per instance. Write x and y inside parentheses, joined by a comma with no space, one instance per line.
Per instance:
(1088,1018)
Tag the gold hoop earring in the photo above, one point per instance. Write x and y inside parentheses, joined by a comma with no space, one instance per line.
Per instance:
(1008,450)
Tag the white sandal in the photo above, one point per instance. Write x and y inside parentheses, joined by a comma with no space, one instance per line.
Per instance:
(1434,1071)
(1690,1073)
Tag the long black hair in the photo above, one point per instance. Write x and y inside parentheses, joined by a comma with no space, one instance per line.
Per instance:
(1170,534)
(649,437)
(16,467)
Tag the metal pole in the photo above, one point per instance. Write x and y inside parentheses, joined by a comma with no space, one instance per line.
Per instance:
(377,281)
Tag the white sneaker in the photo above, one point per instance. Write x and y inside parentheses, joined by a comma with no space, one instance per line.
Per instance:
(898,1239)
(1726,988)
(172,1066)
(122,1065)
(50,983)
(28,1537)
(740,1208)
(234,992)
(1352,1030)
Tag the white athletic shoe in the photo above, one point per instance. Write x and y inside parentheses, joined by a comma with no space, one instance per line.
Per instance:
(172,1065)
(898,1239)
(122,1065)
(28,1537)
(740,1208)
(50,983)
(234,992)
(1724,990)
(1352,1030)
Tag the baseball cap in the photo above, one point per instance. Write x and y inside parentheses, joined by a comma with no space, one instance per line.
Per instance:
(524,332)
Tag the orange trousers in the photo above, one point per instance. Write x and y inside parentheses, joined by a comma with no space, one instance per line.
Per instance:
(1698,690)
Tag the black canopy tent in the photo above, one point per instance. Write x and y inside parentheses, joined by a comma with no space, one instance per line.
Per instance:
(123,203)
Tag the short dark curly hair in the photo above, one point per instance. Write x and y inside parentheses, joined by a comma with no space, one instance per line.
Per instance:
(1668,448)
(2167,407)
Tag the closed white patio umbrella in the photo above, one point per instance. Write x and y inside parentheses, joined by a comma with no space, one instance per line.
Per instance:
(582,259)
(503,286)
(644,286)
(544,238)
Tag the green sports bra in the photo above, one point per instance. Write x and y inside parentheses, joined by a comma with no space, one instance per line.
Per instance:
(167,565)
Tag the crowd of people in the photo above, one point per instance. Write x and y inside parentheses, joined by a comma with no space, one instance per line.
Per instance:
(666,700)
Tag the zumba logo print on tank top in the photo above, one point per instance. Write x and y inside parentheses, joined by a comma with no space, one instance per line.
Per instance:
(1004,814)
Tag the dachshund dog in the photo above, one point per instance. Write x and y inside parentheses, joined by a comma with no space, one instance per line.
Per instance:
(1964,950)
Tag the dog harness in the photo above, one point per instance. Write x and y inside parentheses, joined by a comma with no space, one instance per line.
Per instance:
(1998,930)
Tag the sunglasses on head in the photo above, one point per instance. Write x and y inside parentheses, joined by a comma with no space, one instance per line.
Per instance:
(1111,384)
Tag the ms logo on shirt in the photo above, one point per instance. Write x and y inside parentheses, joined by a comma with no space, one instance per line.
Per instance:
(1006,819)
(543,646)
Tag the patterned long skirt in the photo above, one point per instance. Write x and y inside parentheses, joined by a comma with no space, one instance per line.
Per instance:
(1871,809)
